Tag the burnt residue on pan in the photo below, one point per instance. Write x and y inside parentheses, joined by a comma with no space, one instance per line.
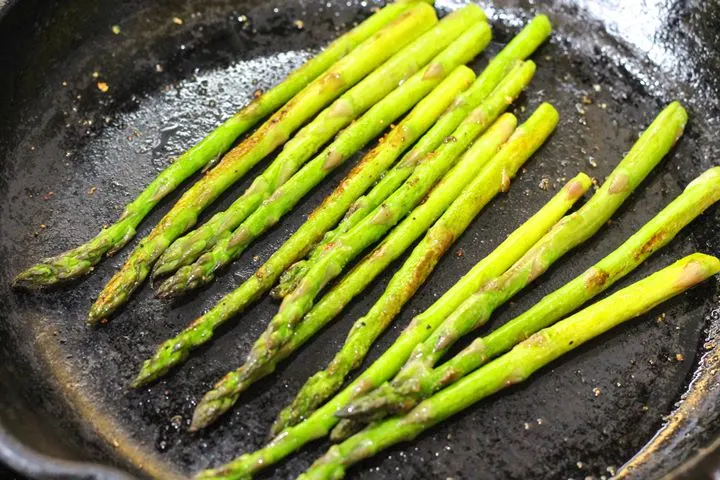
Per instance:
(73,154)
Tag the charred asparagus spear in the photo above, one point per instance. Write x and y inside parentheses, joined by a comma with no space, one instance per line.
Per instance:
(515,366)
(344,110)
(273,133)
(350,244)
(492,179)
(400,138)
(520,47)
(369,170)
(320,422)
(658,232)
(81,260)
(570,232)
(347,143)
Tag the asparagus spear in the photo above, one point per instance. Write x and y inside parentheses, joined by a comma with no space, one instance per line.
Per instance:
(308,140)
(400,138)
(347,143)
(81,260)
(574,229)
(350,244)
(492,179)
(320,422)
(218,400)
(658,232)
(177,349)
(273,133)
(520,47)
(517,365)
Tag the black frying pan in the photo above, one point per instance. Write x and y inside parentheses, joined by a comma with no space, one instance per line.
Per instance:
(65,409)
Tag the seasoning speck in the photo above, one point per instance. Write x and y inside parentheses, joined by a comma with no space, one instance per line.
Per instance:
(596,391)
(92,190)
(544,183)
(95,74)
(177,20)
(103,87)
(299,24)
(176,421)
(159,68)
(679,357)
(116,29)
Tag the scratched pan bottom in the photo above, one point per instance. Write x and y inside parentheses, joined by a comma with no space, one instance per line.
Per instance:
(71,156)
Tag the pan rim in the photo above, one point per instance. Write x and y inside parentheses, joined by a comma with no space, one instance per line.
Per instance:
(27,461)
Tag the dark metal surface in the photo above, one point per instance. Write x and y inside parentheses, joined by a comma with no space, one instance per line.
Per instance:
(71,156)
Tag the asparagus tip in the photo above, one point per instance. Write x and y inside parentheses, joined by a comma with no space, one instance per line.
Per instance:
(210,408)
(166,290)
(36,276)
(145,376)
(94,320)
(543,21)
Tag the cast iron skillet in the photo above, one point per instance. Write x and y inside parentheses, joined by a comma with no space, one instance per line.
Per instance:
(71,156)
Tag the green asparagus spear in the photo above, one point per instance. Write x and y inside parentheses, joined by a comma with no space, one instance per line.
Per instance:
(519,48)
(570,232)
(81,260)
(400,138)
(347,143)
(320,422)
(308,140)
(175,350)
(350,244)
(491,180)
(658,232)
(517,365)
(273,133)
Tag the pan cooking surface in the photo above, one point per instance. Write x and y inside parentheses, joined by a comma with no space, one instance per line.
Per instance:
(72,156)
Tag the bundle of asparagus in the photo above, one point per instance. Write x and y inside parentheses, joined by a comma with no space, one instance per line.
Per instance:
(185,211)
(646,153)
(492,179)
(343,250)
(515,366)
(310,87)
(226,392)
(396,398)
(400,60)
(485,90)
(320,423)
(81,260)
(468,26)
(654,143)
(346,144)
(520,47)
